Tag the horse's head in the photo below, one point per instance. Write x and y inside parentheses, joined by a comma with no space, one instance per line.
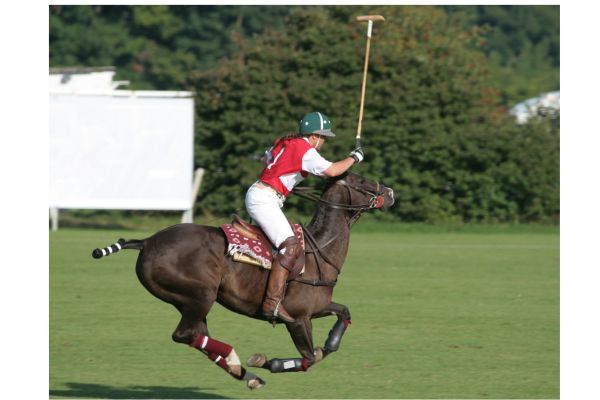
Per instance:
(359,192)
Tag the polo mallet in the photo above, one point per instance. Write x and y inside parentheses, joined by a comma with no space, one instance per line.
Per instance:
(370,19)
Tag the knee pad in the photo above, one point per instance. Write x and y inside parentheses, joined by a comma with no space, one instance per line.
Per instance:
(290,250)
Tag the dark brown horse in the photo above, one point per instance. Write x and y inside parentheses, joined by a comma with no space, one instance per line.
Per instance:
(186,265)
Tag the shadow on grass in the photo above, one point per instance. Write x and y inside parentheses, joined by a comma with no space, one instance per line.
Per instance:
(95,391)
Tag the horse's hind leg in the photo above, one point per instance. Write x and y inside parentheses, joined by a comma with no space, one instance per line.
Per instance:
(193,331)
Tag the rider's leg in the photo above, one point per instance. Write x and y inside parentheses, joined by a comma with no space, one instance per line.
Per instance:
(290,251)
(265,209)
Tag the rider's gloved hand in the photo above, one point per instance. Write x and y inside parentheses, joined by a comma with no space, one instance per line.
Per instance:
(357,154)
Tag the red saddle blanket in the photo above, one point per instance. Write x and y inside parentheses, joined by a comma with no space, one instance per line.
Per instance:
(256,251)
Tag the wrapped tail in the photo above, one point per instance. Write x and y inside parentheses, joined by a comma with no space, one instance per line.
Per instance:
(120,245)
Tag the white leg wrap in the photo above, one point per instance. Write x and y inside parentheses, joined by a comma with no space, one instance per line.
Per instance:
(232,359)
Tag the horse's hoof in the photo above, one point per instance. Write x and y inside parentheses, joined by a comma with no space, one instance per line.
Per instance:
(257,360)
(318,354)
(255,383)
(252,381)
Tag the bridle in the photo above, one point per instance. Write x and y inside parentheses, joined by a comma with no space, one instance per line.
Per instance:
(376,200)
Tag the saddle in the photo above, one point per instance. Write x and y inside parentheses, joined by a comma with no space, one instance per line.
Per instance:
(247,229)
(248,244)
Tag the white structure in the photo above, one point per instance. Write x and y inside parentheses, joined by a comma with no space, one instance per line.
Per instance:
(83,79)
(119,149)
(547,104)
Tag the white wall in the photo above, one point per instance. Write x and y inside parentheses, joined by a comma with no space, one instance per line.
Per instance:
(121,150)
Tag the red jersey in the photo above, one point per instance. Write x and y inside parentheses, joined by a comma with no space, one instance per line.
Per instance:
(289,162)
(286,158)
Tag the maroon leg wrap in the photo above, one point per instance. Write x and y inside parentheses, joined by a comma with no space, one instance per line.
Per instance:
(219,360)
(212,346)
(304,364)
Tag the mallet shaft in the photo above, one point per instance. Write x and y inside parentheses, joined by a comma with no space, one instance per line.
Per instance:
(364,86)
(370,19)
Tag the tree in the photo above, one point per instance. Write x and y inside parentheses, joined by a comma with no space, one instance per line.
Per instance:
(523,46)
(433,127)
(427,94)
(155,47)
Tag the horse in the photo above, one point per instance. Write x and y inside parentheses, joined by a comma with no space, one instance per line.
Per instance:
(187,266)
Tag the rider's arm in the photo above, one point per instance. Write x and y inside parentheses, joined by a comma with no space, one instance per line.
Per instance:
(338,168)
(314,163)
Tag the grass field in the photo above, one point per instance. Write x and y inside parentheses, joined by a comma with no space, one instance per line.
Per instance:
(436,313)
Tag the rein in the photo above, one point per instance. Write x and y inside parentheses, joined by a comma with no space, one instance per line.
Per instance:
(310,193)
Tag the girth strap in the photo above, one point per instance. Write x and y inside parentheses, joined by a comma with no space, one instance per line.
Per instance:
(316,282)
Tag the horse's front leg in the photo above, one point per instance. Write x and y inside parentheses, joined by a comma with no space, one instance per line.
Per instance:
(301,333)
(332,344)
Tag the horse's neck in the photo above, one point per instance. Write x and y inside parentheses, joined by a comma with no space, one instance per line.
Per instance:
(330,229)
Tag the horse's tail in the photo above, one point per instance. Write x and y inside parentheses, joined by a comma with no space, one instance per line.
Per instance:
(120,245)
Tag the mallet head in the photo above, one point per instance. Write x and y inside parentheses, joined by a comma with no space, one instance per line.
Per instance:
(369,19)
(363,18)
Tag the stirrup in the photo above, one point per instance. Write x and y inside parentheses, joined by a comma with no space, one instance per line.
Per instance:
(272,316)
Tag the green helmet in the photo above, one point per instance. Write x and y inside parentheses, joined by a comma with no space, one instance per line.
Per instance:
(317,123)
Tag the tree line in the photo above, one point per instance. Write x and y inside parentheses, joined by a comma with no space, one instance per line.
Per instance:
(435,126)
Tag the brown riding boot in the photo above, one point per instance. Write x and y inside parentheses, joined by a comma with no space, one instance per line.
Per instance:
(272,306)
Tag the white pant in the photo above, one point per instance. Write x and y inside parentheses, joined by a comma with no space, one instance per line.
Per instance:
(264,208)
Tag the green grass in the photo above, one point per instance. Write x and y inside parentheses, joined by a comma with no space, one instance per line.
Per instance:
(471,312)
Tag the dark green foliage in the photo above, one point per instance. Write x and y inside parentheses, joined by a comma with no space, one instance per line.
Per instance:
(156,47)
(434,126)
(523,46)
